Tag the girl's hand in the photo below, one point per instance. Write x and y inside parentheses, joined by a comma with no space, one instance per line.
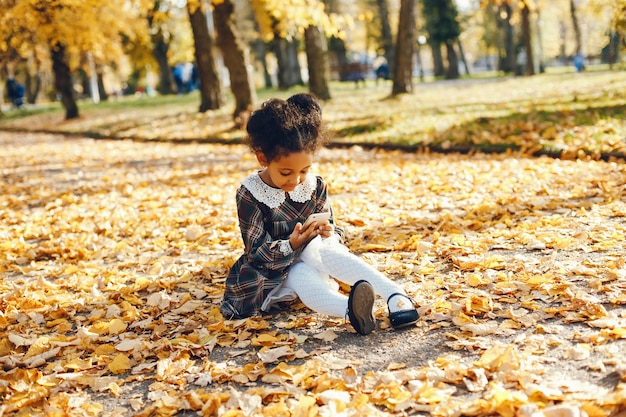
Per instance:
(326,229)
(301,236)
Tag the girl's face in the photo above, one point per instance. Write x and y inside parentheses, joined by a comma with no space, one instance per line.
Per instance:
(286,172)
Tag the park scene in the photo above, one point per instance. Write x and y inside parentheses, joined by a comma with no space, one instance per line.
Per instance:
(476,157)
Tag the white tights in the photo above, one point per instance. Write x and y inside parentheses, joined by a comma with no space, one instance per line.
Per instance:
(323,258)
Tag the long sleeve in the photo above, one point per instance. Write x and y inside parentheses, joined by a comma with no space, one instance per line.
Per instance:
(261,248)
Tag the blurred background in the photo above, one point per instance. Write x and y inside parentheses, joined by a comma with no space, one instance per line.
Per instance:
(66,50)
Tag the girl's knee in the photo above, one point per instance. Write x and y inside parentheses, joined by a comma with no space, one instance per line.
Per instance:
(303,276)
(332,244)
(301,268)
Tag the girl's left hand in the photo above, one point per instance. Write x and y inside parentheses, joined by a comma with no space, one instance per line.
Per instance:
(325,229)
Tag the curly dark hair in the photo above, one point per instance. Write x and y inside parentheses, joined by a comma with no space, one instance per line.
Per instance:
(281,127)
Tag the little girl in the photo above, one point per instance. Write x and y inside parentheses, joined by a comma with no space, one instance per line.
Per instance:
(283,260)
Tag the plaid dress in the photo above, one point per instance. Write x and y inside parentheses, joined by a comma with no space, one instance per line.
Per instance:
(267,217)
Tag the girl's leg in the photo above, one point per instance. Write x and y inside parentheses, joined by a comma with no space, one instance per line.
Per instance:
(315,289)
(340,263)
(331,257)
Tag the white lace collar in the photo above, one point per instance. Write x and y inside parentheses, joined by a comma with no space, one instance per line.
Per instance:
(274,197)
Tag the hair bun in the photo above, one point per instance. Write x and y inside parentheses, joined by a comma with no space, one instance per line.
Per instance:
(306,103)
(267,118)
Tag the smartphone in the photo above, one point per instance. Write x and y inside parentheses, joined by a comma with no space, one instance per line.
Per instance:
(316,217)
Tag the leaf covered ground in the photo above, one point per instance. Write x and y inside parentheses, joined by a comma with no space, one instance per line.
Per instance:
(567,115)
(113,256)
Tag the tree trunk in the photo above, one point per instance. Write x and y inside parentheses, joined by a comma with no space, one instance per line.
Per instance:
(84,83)
(295,75)
(33,85)
(337,47)
(317,62)
(453,61)
(101,90)
(528,45)
(287,59)
(614,48)
(462,53)
(63,80)
(159,51)
(261,54)
(405,44)
(577,34)
(510,58)
(338,57)
(439,69)
(279,46)
(210,85)
(236,59)
(385,32)
(441,23)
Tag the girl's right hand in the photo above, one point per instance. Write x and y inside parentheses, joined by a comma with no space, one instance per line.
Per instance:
(300,237)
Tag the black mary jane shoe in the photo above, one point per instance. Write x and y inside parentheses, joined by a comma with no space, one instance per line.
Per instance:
(360,307)
(402,318)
